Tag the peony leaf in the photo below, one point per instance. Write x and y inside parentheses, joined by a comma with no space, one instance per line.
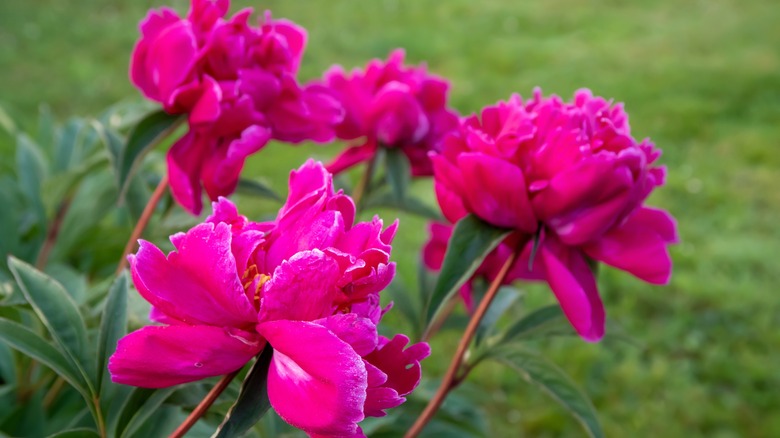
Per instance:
(471,241)
(408,204)
(58,312)
(81,432)
(540,322)
(504,299)
(257,189)
(399,173)
(545,375)
(113,325)
(31,344)
(252,401)
(146,134)
(138,407)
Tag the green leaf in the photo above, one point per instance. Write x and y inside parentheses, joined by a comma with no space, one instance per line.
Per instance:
(66,145)
(57,310)
(407,304)
(46,131)
(113,325)
(258,189)
(31,170)
(142,412)
(144,136)
(252,401)
(81,432)
(471,241)
(501,303)
(399,173)
(408,204)
(537,323)
(545,375)
(31,344)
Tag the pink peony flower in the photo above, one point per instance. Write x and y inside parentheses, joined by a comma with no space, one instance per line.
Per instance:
(570,172)
(307,283)
(236,83)
(393,106)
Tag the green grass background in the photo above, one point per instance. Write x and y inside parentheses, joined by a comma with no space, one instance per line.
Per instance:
(701,78)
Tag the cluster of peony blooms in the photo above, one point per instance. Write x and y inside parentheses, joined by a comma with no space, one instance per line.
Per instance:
(570,179)
(392,106)
(237,85)
(566,177)
(306,283)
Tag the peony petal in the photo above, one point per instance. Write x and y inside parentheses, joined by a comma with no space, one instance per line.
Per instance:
(402,366)
(448,184)
(156,357)
(639,246)
(316,381)
(352,156)
(573,284)
(185,160)
(301,288)
(497,192)
(359,333)
(198,284)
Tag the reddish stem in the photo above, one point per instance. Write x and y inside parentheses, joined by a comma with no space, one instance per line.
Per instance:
(451,378)
(143,221)
(204,405)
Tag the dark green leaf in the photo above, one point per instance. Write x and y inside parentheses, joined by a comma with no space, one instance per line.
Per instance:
(67,145)
(150,405)
(545,375)
(31,170)
(31,344)
(471,241)
(538,323)
(46,130)
(57,310)
(81,432)
(399,173)
(144,136)
(409,204)
(252,401)
(501,303)
(258,189)
(113,325)
(61,186)
(7,365)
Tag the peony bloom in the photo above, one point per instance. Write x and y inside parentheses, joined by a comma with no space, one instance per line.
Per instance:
(237,85)
(393,106)
(307,283)
(570,173)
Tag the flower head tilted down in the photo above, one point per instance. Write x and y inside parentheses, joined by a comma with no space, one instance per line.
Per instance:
(569,178)
(237,85)
(307,283)
(391,105)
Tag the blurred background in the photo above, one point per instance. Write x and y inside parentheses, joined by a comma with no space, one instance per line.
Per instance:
(700,78)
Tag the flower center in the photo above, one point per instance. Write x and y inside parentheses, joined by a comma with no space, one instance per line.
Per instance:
(253,282)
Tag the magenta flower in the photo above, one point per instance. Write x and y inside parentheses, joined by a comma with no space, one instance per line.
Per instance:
(394,106)
(572,173)
(307,283)
(236,83)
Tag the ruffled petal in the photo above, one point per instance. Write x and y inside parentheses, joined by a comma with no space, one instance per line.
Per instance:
(573,284)
(316,381)
(301,288)
(639,246)
(198,284)
(156,357)
(497,192)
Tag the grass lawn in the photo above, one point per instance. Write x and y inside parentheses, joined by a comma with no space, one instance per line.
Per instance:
(702,79)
